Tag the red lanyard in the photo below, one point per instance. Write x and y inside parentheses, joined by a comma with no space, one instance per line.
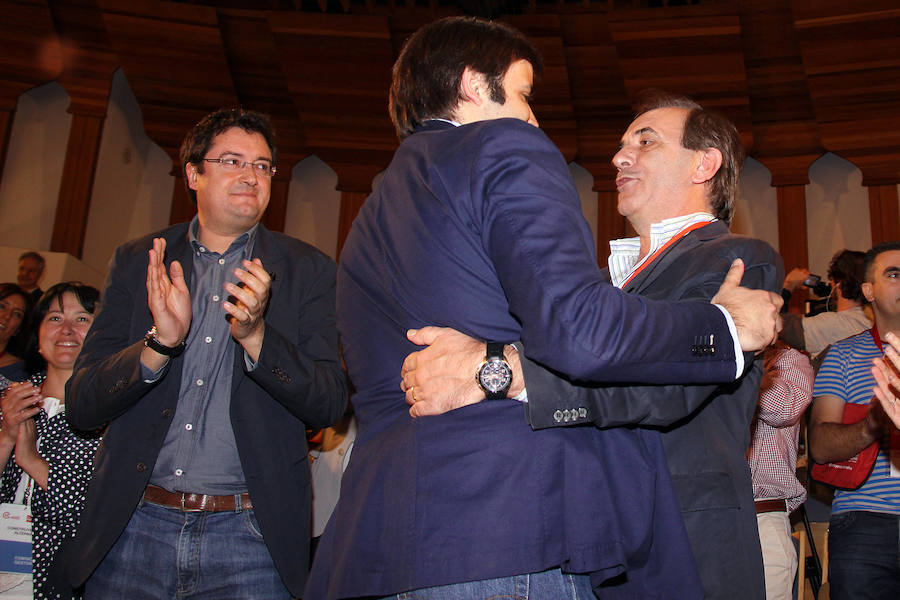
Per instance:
(876,337)
(672,241)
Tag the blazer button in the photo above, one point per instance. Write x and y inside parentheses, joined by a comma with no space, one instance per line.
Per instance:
(141,467)
(166,413)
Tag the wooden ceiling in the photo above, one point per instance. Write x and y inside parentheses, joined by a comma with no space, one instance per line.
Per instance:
(799,77)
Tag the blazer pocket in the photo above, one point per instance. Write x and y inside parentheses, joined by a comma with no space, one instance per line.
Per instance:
(705,490)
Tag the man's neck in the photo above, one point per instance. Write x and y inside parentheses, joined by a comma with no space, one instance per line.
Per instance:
(885,324)
(216,242)
(845,304)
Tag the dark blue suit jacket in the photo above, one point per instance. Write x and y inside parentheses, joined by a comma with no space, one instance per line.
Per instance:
(705,429)
(480,228)
(298,382)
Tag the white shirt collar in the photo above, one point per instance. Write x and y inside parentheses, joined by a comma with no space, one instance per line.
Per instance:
(624,252)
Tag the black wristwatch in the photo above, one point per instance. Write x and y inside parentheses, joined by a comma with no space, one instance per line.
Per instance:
(151,341)
(494,375)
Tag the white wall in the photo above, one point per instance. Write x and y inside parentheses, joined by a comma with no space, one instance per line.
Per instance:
(756,206)
(34,164)
(584,182)
(314,205)
(837,211)
(132,188)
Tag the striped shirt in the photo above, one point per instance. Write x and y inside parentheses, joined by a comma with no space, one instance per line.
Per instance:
(845,374)
(625,252)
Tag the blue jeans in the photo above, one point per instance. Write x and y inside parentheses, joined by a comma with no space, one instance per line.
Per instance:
(166,553)
(535,586)
(863,557)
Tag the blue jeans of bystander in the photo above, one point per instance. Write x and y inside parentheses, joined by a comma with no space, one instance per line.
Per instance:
(167,553)
(863,557)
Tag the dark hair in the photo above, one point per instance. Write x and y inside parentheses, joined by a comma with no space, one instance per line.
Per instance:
(872,254)
(705,129)
(426,77)
(846,268)
(35,256)
(16,343)
(198,140)
(87,297)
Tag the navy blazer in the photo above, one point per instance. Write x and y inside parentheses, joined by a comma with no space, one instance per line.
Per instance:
(705,429)
(298,382)
(480,228)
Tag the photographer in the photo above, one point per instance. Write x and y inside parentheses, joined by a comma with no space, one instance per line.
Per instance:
(844,315)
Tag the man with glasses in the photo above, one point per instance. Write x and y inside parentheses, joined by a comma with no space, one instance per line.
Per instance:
(213,353)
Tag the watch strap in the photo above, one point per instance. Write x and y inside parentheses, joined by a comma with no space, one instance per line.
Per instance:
(152,342)
(495,350)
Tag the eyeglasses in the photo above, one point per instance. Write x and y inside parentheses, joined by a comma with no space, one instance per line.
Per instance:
(260,167)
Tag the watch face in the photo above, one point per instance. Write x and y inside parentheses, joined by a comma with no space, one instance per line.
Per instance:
(495,375)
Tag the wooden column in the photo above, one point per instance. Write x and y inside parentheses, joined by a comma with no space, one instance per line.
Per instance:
(183,208)
(884,213)
(792,239)
(351,202)
(610,224)
(276,212)
(77,184)
(6,121)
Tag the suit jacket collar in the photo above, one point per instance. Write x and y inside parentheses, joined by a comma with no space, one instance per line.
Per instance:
(434,125)
(668,258)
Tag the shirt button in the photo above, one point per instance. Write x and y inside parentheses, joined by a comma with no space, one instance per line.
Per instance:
(179,472)
(199,382)
(188,426)
(207,339)
(216,298)
(221,261)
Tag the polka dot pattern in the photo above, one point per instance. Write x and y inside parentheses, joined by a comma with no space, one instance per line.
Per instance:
(55,510)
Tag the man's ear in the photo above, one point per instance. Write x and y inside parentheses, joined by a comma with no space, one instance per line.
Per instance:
(190,175)
(707,166)
(867,291)
(472,86)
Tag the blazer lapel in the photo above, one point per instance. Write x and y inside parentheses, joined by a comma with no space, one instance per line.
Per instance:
(671,255)
(266,250)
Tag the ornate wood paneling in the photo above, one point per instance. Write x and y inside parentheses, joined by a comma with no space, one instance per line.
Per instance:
(337,69)
(851,55)
(797,76)
(695,50)
(174,59)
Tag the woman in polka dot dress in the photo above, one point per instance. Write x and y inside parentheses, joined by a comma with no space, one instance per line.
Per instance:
(35,438)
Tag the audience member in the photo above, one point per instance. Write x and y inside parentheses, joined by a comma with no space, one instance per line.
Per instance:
(678,168)
(864,560)
(15,305)
(54,458)
(31,269)
(207,412)
(784,394)
(329,455)
(846,315)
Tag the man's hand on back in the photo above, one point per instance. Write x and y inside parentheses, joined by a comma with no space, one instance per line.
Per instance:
(755,312)
(441,377)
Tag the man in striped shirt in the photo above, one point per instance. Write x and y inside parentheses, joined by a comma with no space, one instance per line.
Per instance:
(865,523)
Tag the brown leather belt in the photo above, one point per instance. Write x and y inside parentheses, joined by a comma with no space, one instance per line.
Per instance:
(194,502)
(767,506)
